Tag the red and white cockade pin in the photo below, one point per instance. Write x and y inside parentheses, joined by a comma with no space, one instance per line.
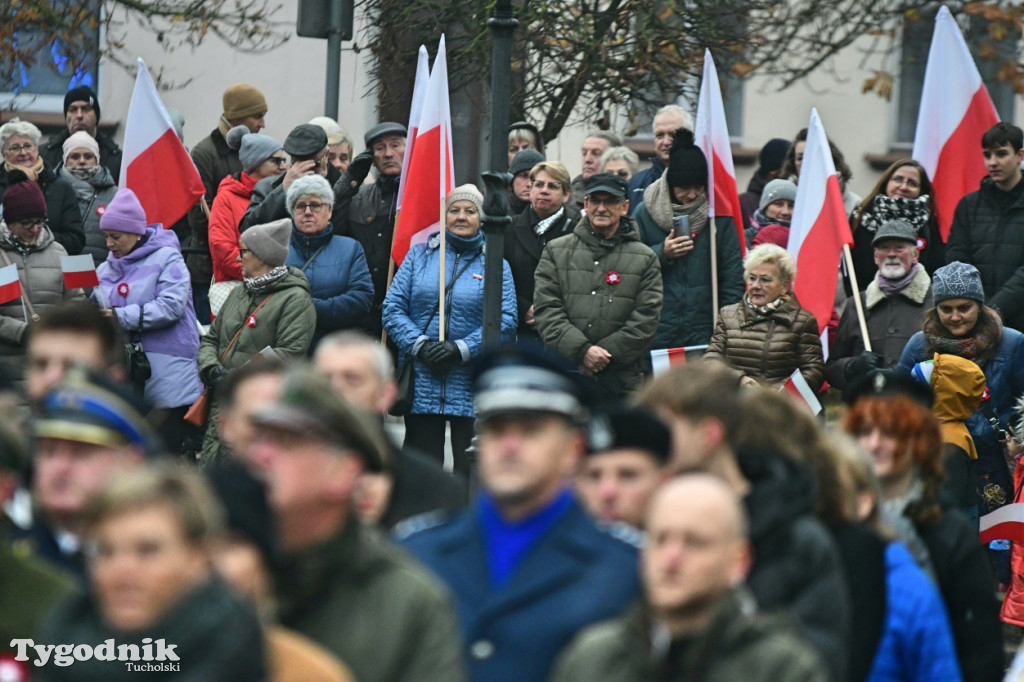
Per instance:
(122,289)
(612,277)
(251,321)
(921,243)
(100,210)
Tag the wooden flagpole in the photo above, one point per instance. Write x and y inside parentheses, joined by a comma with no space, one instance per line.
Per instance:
(440,181)
(848,257)
(714,270)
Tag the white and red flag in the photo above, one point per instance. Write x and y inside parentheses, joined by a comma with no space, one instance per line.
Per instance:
(10,285)
(955,112)
(419,91)
(664,359)
(819,228)
(798,387)
(79,271)
(711,134)
(1005,523)
(430,165)
(156,165)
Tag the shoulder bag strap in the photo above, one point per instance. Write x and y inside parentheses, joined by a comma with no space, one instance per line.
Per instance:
(244,323)
(315,254)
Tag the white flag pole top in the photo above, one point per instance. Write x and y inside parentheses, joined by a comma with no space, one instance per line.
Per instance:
(419,92)
(951,79)
(810,196)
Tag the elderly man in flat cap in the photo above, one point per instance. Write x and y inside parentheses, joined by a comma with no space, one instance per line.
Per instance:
(366,212)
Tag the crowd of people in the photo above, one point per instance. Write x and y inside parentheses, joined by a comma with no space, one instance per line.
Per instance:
(200,453)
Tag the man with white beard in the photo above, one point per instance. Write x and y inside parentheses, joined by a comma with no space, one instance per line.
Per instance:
(893,305)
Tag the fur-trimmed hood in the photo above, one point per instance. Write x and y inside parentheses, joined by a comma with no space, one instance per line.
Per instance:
(916,291)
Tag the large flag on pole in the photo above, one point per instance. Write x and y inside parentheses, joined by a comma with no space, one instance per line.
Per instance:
(819,229)
(156,165)
(955,112)
(430,165)
(712,136)
(419,91)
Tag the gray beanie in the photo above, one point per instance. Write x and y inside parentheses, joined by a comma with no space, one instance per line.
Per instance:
(776,190)
(253,148)
(308,184)
(466,193)
(269,242)
(957,280)
(524,160)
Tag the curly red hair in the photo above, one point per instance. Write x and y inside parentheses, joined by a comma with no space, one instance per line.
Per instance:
(916,430)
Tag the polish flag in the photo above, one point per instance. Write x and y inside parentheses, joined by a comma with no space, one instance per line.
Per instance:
(10,285)
(819,229)
(156,165)
(419,90)
(797,387)
(711,134)
(664,359)
(429,162)
(1005,523)
(79,271)
(955,112)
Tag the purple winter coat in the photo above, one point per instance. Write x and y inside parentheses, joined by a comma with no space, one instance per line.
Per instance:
(152,280)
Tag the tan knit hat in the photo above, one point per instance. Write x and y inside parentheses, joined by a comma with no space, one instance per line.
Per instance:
(466,193)
(241,100)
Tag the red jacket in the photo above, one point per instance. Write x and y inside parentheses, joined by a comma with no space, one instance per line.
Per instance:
(1013,603)
(228,207)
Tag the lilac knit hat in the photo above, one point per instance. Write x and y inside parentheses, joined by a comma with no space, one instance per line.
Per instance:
(124,214)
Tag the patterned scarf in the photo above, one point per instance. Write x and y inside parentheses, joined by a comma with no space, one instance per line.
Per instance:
(767,308)
(883,209)
(968,348)
(697,210)
(31,172)
(257,285)
(544,225)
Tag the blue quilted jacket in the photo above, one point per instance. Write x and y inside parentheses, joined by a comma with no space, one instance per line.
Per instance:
(339,279)
(411,300)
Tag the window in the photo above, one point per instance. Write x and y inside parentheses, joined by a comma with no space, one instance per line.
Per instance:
(41,86)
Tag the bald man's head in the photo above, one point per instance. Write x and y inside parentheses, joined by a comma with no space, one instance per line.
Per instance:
(697,548)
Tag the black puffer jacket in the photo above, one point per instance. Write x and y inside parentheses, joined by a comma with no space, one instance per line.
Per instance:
(988,232)
(61,207)
(797,567)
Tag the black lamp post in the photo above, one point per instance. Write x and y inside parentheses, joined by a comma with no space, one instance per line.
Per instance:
(496,180)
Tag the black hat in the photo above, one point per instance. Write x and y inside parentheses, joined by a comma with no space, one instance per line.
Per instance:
(382,129)
(523,125)
(305,141)
(687,165)
(887,383)
(607,182)
(773,153)
(244,499)
(636,428)
(524,160)
(526,378)
(83,93)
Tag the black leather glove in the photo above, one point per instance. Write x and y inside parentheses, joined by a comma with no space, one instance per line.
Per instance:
(441,355)
(862,364)
(360,166)
(215,375)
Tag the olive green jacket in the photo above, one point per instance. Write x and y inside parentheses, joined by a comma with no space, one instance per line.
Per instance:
(372,605)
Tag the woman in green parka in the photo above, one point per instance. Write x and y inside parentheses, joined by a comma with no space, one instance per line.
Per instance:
(273,309)
(687,316)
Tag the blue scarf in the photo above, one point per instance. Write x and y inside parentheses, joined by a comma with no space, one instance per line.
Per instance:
(461,244)
(507,543)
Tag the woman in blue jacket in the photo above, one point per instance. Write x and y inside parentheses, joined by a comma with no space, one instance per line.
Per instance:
(442,378)
(335,266)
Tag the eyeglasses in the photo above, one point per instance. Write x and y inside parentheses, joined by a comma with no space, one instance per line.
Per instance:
(553,186)
(30,224)
(313,206)
(19,148)
(763,279)
(900,180)
(608,201)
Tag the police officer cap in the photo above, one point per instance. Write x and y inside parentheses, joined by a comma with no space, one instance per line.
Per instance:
(523,378)
(886,383)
